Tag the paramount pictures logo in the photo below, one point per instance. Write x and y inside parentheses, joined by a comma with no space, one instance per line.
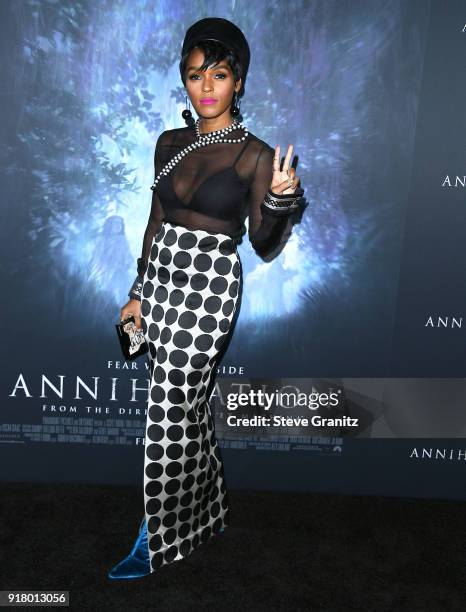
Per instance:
(442,454)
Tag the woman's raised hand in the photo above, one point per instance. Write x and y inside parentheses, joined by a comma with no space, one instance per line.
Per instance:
(133,307)
(284,181)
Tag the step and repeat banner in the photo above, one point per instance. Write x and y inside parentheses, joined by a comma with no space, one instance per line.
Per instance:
(346,371)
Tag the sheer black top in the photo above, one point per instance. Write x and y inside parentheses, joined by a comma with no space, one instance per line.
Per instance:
(215,188)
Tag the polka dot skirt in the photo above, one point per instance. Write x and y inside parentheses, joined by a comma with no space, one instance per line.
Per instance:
(189,297)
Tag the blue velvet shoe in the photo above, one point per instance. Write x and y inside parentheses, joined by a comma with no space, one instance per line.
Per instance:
(137,563)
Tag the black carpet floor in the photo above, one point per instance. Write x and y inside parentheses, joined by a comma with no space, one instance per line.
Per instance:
(282,551)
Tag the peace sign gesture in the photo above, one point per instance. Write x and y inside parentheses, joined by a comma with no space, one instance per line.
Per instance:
(283,181)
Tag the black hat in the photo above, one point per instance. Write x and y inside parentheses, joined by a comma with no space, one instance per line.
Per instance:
(221,30)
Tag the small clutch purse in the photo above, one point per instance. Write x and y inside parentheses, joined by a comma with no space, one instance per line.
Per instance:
(132,340)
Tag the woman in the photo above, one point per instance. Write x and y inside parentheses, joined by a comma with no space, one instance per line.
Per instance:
(209,176)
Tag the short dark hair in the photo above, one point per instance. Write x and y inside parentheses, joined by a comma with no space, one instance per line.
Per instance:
(214,53)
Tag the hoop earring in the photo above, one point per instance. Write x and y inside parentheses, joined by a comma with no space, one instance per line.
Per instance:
(235,108)
(187,115)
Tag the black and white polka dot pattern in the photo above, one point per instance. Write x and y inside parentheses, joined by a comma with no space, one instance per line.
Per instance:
(190,295)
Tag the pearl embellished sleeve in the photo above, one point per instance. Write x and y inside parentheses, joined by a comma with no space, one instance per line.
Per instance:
(153,225)
(267,227)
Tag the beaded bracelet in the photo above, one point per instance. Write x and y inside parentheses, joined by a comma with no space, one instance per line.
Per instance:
(136,288)
(274,200)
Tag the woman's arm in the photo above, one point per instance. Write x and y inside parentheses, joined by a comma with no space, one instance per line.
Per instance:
(153,225)
(267,225)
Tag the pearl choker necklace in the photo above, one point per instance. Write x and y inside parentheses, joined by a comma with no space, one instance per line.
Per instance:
(202,140)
